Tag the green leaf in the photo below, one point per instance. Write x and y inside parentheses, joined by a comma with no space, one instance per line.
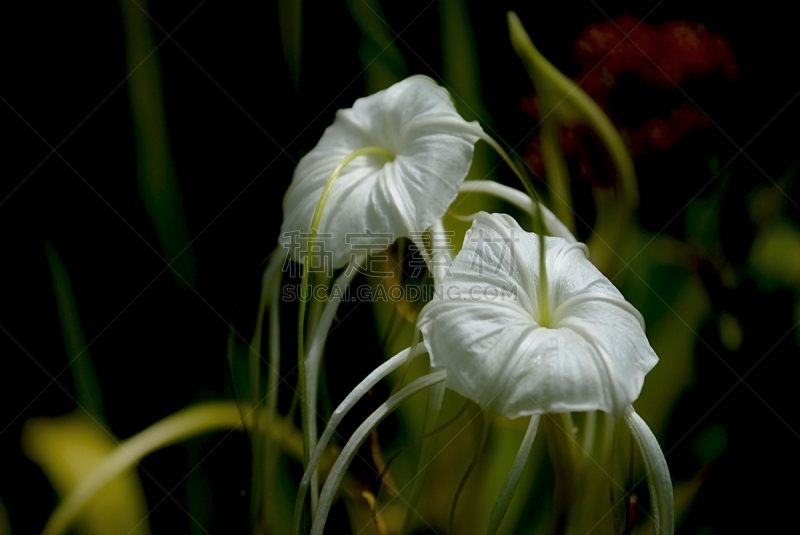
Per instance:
(67,449)
(158,184)
(563,103)
(775,256)
(383,63)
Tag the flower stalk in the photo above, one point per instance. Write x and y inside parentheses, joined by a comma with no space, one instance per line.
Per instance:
(308,411)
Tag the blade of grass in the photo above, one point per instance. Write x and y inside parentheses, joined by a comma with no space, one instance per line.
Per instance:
(158,184)
(87,388)
(381,58)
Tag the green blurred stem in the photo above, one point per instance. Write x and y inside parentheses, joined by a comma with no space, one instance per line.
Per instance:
(540,225)
(273,376)
(510,486)
(556,172)
(610,231)
(486,420)
(459,64)
(158,184)
(526,181)
(87,387)
(382,60)
(290,13)
(184,424)
(561,446)
(433,409)
(270,287)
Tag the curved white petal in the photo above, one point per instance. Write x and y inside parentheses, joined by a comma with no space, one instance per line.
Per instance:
(416,121)
(483,327)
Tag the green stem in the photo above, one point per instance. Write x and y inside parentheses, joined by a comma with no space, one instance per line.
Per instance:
(487,419)
(540,227)
(315,220)
(556,172)
(271,451)
(318,333)
(544,294)
(87,388)
(526,181)
(510,486)
(432,410)
(560,444)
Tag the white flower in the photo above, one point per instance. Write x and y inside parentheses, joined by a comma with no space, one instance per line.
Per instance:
(484,327)
(494,341)
(431,148)
(582,348)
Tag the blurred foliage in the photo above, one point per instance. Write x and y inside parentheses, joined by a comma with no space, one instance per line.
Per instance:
(67,449)
(87,388)
(158,184)
(5,528)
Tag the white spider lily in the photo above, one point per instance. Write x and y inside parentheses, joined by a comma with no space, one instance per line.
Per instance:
(389,166)
(421,152)
(485,327)
(518,351)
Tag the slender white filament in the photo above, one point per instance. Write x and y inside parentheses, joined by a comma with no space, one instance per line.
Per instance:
(507,492)
(658,479)
(314,355)
(341,411)
(346,456)
(522,201)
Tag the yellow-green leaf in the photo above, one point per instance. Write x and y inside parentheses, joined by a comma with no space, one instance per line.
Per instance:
(67,448)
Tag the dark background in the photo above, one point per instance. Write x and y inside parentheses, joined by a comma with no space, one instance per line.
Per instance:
(158,346)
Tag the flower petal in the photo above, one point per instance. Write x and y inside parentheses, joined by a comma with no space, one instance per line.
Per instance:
(417,122)
(483,327)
